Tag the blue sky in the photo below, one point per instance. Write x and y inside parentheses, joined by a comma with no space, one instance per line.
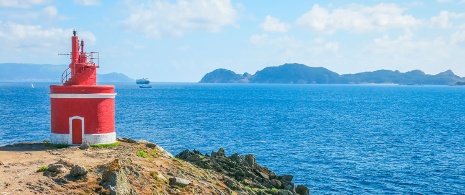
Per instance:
(180,41)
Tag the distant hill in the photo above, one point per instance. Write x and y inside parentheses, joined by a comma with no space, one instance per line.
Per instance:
(300,73)
(15,72)
(296,73)
(222,76)
(113,77)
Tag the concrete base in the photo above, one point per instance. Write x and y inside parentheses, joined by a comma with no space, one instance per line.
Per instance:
(107,138)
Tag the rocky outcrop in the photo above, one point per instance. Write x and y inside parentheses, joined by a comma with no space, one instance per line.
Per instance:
(243,170)
(115,177)
(176,181)
(78,171)
(121,170)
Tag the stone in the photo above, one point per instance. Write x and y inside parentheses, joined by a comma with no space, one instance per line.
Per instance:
(65,162)
(115,179)
(302,190)
(176,181)
(151,145)
(250,160)
(184,154)
(221,152)
(57,168)
(84,146)
(214,154)
(161,176)
(287,178)
(1,163)
(276,183)
(289,186)
(264,175)
(229,182)
(77,171)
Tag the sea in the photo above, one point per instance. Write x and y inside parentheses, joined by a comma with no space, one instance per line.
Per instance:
(335,139)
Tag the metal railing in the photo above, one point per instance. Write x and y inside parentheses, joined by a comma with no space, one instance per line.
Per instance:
(65,75)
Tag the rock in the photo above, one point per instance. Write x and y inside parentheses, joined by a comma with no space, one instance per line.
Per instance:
(65,162)
(176,181)
(151,145)
(127,140)
(289,186)
(184,154)
(241,171)
(161,176)
(276,183)
(229,182)
(221,152)
(302,190)
(114,177)
(214,154)
(286,178)
(57,168)
(264,175)
(77,171)
(84,146)
(1,163)
(285,192)
(250,160)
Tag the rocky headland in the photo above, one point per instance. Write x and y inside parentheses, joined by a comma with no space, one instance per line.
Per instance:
(134,167)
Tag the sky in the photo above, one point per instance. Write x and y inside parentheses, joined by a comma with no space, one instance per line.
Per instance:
(182,40)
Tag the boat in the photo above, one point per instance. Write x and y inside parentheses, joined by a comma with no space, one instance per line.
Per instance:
(145,86)
(32,85)
(143,81)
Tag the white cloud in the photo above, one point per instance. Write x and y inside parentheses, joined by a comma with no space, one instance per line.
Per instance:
(443,20)
(406,44)
(163,18)
(50,11)
(272,24)
(21,3)
(87,2)
(458,38)
(357,18)
(443,1)
(289,43)
(19,41)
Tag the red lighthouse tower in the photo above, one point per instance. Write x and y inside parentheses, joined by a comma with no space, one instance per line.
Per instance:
(81,110)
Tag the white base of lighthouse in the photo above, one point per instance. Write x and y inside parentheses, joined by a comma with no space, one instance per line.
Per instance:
(107,138)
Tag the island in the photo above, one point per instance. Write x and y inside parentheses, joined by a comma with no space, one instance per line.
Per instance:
(302,74)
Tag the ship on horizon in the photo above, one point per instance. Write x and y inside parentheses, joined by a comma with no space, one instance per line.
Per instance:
(143,83)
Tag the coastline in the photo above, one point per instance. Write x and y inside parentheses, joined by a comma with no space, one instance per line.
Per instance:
(132,167)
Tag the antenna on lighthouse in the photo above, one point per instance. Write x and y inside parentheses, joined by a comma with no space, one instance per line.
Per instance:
(74,31)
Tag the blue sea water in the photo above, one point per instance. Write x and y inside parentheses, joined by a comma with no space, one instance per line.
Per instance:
(336,139)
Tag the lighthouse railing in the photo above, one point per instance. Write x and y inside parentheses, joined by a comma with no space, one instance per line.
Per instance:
(65,75)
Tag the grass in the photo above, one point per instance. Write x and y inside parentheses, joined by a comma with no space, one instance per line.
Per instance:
(155,153)
(142,154)
(201,156)
(59,146)
(105,145)
(42,168)
(155,176)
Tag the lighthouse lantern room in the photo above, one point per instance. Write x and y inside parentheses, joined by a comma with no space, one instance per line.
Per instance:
(81,110)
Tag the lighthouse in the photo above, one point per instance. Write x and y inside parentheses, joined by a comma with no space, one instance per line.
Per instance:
(81,110)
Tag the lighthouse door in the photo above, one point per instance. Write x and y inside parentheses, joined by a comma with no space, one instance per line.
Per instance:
(76,125)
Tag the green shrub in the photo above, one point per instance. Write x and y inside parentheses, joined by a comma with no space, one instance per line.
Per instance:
(155,153)
(105,145)
(142,154)
(42,168)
